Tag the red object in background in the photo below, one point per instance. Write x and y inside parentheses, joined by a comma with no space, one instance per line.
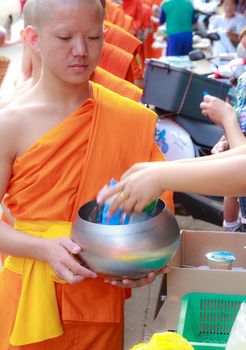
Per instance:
(22,2)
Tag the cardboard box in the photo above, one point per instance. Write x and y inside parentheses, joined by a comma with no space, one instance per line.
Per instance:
(181,280)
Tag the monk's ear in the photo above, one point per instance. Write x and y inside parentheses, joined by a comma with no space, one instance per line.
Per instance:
(29,38)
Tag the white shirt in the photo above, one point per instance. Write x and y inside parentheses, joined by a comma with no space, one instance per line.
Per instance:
(222,25)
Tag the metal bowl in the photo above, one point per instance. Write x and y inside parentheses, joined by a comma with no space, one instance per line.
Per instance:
(126,251)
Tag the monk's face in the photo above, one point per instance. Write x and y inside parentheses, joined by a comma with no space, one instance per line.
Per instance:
(71,40)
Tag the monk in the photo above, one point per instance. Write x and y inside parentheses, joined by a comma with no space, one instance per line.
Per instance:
(116,84)
(115,14)
(31,67)
(59,144)
(117,61)
(121,38)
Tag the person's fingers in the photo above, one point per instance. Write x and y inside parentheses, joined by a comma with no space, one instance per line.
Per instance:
(164,270)
(140,282)
(140,205)
(69,276)
(205,112)
(119,199)
(127,283)
(203,105)
(130,171)
(109,192)
(69,245)
(129,205)
(77,269)
(207,98)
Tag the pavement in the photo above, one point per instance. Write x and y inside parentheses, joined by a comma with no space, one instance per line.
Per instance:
(139,310)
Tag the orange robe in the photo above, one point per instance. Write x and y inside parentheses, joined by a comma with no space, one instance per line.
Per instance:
(62,170)
(114,13)
(117,61)
(116,84)
(119,37)
(134,9)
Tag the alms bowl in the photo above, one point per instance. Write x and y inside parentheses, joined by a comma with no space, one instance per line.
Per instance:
(126,251)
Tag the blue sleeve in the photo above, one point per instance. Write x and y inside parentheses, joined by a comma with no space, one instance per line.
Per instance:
(162,18)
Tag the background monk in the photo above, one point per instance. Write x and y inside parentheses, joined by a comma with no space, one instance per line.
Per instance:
(59,144)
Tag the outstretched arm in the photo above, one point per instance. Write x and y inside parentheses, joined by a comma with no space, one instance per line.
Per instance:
(220,174)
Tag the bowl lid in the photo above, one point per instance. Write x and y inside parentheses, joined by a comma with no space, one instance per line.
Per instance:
(221,256)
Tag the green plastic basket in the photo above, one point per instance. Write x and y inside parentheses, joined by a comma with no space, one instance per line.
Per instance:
(205,320)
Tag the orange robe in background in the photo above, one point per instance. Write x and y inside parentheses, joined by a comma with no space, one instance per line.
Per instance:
(114,13)
(62,170)
(116,84)
(150,52)
(134,9)
(119,37)
(117,61)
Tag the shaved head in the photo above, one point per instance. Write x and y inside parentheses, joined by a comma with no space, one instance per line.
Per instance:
(44,9)
(28,13)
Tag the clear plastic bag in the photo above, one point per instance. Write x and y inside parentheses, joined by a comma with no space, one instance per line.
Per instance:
(237,338)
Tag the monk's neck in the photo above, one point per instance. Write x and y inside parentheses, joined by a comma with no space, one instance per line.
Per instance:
(67,95)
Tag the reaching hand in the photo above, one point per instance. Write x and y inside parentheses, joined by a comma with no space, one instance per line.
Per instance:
(140,185)
(58,254)
(216,109)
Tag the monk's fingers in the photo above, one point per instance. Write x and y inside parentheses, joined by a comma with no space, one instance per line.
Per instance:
(77,269)
(69,245)
(163,270)
(127,283)
(68,276)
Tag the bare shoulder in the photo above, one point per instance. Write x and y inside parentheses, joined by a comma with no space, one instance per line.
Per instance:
(12,119)
(9,126)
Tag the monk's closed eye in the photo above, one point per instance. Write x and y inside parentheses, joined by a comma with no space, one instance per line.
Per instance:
(64,38)
(94,37)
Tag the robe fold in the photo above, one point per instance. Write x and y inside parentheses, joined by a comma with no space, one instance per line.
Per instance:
(117,61)
(134,9)
(61,171)
(116,84)
(119,37)
(115,14)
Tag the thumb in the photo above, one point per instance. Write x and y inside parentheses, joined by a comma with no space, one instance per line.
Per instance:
(70,246)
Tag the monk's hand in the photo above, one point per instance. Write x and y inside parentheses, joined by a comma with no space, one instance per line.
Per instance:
(126,283)
(58,254)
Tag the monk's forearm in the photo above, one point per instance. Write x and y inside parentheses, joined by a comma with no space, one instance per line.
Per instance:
(223,177)
(17,243)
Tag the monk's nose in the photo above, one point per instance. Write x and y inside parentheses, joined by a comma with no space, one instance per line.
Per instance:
(79,48)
